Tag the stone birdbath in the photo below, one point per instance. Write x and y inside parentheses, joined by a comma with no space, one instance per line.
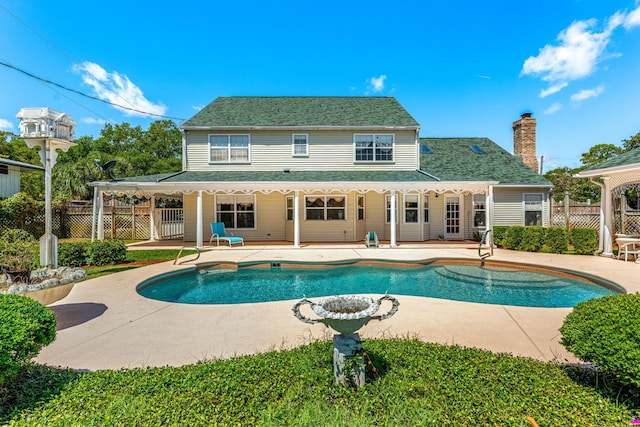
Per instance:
(346,314)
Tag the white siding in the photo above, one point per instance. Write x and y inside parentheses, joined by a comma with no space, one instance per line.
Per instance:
(328,150)
(10,184)
(509,208)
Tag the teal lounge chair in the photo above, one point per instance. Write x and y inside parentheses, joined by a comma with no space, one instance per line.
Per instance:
(371,240)
(218,233)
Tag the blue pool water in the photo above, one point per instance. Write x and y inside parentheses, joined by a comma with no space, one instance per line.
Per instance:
(460,282)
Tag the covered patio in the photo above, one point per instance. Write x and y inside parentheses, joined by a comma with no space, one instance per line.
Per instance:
(617,178)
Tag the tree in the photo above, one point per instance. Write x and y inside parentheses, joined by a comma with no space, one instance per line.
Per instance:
(579,189)
(631,143)
(599,153)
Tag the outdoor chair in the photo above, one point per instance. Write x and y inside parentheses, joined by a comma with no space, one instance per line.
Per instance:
(218,233)
(629,247)
(371,240)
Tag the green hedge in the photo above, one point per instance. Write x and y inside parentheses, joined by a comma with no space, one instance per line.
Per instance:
(585,240)
(498,234)
(557,240)
(106,252)
(513,237)
(532,239)
(606,331)
(73,254)
(25,327)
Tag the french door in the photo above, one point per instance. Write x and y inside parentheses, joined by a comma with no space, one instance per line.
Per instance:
(452,217)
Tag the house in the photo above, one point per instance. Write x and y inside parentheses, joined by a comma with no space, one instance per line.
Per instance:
(330,169)
(618,175)
(10,175)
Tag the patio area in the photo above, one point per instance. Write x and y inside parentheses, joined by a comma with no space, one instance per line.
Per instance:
(104,324)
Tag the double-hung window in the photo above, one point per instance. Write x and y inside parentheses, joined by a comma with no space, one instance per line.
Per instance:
(300,145)
(533,209)
(229,148)
(373,147)
(290,201)
(479,210)
(360,208)
(236,211)
(411,208)
(325,208)
(425,208)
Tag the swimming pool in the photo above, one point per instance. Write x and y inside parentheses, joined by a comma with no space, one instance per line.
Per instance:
(460,280)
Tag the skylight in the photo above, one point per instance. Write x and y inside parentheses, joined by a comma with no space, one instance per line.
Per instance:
(476,149)
(425,149)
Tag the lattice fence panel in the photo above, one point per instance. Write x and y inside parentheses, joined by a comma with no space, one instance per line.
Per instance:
(80,226)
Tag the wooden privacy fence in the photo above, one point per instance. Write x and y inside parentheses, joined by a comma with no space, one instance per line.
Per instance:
(575,215)
(585,215)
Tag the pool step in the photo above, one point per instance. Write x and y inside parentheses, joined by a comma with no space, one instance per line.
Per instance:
(494,276)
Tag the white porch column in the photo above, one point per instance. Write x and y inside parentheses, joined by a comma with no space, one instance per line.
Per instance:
(199,219)
(94,214)
(393,220)
(153,234)
(606,204)
(100,216)
(489,216)
(296,219)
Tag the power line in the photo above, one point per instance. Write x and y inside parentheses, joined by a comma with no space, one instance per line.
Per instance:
(76,64)
(86,95)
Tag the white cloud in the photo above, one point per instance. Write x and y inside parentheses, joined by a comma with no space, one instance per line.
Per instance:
(577,53)
(553,108)
(553,89)
(93,121)
(6,124)
(632,19)
(587,93)
(116,88)
(377,83)
(197,107)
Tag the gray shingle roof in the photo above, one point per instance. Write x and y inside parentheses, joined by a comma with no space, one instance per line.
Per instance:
(280,176)
(451,159)
(624,159)
(302,111)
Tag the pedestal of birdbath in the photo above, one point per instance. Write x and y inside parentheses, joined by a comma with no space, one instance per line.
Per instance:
(346,314)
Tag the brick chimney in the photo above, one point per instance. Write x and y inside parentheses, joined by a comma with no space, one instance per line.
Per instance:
(524,140)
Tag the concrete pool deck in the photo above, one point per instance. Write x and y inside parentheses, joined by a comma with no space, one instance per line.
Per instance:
(104,324)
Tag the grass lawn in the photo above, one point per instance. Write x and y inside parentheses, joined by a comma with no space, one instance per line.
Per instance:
(135,259)
(414,383)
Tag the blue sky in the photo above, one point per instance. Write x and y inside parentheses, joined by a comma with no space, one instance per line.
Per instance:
(462,69)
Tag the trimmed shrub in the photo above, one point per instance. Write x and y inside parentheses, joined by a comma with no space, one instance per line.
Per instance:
(16,252)
(498,234)
(25,327)
(585,240)
(512,237)
(532,239)
(556,240)
(73,254)
(605,331)
(106,252)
